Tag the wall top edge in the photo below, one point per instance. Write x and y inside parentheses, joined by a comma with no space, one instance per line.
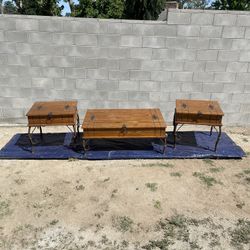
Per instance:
(232,12)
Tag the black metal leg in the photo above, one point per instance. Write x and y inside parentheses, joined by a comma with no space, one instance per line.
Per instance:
(85,145)
(78,124)
(211,130)
(218,138)
(31,141)
(41,132)
(165,145)
(174,132)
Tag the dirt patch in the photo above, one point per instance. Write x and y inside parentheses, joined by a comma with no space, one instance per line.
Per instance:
(133,204)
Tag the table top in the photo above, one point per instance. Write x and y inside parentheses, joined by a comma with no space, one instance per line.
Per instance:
(117,118)
(54,108)
(205,107)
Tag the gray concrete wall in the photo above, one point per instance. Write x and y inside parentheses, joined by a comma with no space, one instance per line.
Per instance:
(126,64)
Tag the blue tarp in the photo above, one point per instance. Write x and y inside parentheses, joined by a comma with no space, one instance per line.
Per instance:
(62,146)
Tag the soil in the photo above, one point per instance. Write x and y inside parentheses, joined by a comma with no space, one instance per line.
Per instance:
(125,204)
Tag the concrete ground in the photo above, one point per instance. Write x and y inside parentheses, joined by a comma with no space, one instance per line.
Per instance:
(126,204)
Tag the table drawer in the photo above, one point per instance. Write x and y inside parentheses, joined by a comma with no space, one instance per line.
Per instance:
(54,120)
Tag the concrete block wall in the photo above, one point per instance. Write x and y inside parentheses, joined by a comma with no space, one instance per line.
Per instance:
(196,54)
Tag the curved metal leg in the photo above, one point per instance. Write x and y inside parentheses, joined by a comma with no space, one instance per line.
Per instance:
(174,131)
(85,145)
(31,141)
(41,132)
(78,124)
(211,130)
(218,138)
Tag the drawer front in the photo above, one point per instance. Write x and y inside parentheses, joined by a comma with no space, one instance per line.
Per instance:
(199,119)
(54,120)
(124,133)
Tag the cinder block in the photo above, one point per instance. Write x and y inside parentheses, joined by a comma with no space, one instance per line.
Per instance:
(126,64)
(121,53)
(9,48)
(178,95)
(164,54)
(233,88)
(243,20)
(185,54)
(243,77)
(53,72)
(242,44)
(207,55)
(198,43)
(182,76)
(41,61)
(247,33)
(23,60)
(128,104)
(119,28)
(202,18)
(118,75)
(237,67)
(141,53)
(86,52)
(1,36)
(74,73)
(165,30)
(150,86)
(220,43)
(129,85)
(194,66)
(151,65)
(143,29)
(7,23)
(203,77)
(26,71)
(109,41)
(161,76)
(225,19)
(244,56)
(171,66)
(188,30)
(13,112)
(16,36)
(153,42)
(216,66)
(224,77)
(27,49)
(131,41)
(4,59)
(107,85)
(97,74)
(52,25)
(247,88)
(17,82)
(191,87)
(41,37)
(200,96)
(86,63)
(64,84)
(63,39)
(176,43)
(211,31)
(233,32)
(139,75)
(86,39)
(82,26)
(167,86)
(86,84)
(212,87)
(27,24)
(107,63)
(118,95)
(179,18)
(228,56)
(230,108)
(241,98)
(64,61)
(138,96)
(46,83)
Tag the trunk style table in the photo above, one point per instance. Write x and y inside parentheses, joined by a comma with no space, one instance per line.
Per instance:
(199,113)
(56,113)
(123,123)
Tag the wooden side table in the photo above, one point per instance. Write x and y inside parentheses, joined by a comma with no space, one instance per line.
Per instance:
(55,113)
(198,112)
(123,124)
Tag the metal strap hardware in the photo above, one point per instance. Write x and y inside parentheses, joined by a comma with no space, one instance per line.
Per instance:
(184,105)
(49,115)
(155,117)
(67,107)
(92,117)
(39,107)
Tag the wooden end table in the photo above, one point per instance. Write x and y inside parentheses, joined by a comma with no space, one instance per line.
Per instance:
(55,113)
(123,124)
(198,112)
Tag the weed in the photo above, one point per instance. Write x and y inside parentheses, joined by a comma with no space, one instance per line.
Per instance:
(114,192)
(107,179)
(245,140)
(215,170)
(157,204)
(123,223)
(246,171)
(53,222)
(5,208)
(240,205)
(47,192)
(19,181)
(79,187)
(175,174)
(208,161)
(241,234)
(194,245)
(152,186)
(165,165)
(73,159)
(208,180)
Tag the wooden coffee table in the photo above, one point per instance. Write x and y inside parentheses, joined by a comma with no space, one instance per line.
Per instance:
(56,113)
(123,124)
(198,112)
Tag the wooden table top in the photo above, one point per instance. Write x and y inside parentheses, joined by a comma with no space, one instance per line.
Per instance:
(205,107)
(116,118)
(54,107)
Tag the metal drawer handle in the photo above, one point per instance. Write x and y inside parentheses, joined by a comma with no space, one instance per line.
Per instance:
(49,115)
(199,114)
(124,129)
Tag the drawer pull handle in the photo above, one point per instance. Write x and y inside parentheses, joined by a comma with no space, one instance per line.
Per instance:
(49,115)
(199,114)
(124,129)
